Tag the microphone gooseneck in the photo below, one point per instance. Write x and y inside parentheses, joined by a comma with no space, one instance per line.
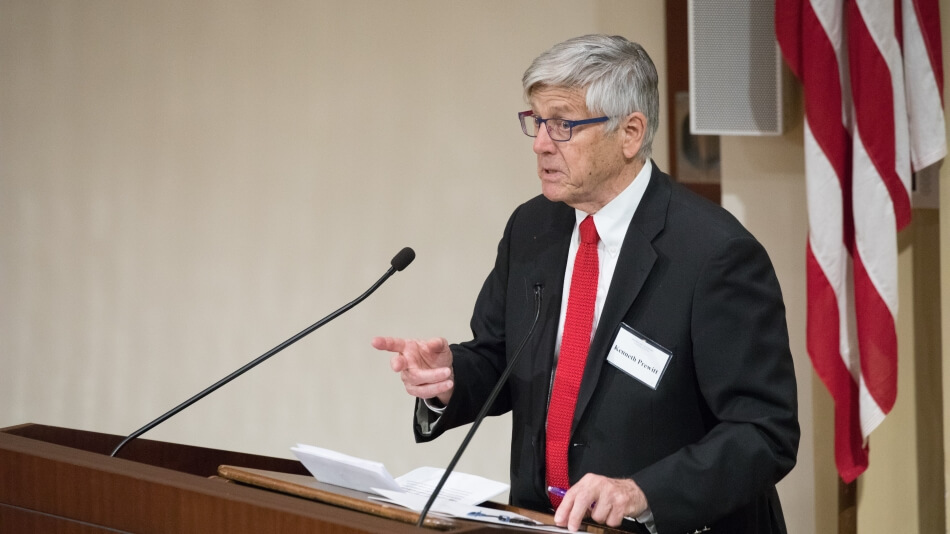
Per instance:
(538,290)
(402,259)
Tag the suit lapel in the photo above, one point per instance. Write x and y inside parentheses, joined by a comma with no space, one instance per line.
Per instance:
(634,264)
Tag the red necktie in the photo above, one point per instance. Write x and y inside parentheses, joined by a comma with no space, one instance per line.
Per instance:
(575,343)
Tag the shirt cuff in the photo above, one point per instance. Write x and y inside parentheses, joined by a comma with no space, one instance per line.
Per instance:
(646,519)
(435,405)
(427,416)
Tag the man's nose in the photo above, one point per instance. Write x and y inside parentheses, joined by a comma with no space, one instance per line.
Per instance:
(543,144)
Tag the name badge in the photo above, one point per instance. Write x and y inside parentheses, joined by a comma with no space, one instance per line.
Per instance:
(639,356)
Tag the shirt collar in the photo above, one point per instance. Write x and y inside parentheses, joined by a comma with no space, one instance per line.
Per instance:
(614,218)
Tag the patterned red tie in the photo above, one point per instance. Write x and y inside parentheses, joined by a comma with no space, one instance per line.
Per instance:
(575,343)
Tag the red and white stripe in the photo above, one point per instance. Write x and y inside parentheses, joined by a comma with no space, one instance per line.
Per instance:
(873,80)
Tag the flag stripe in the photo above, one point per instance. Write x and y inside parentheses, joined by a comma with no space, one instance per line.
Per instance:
(875,103)
(927,19)
(823,328)
(881,197)
(788,32)
(925,93)
(877,341)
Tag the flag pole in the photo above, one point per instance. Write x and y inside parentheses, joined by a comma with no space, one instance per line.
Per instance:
(847,507)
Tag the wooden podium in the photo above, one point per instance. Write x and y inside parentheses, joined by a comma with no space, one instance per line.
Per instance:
(56,479)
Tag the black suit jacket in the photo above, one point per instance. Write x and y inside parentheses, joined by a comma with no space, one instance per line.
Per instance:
(709,444)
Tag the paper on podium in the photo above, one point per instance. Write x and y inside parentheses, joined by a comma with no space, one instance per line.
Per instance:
(466,511)
(462,488)
(340,469)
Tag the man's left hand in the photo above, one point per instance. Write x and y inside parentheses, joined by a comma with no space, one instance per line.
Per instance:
(608,500)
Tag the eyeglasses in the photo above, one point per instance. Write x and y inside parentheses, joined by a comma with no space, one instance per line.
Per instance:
(558,129)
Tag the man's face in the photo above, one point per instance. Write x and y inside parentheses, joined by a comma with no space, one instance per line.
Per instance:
(584,172)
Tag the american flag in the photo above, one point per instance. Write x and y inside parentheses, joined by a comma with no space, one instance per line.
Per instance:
(873,89)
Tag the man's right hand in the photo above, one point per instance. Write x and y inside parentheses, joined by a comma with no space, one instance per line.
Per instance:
(425,366)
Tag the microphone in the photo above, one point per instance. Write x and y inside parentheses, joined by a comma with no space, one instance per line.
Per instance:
(538,290)
(399,262)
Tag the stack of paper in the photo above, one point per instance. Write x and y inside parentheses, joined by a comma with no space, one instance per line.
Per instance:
(459,496)
(367,476)
(339,469)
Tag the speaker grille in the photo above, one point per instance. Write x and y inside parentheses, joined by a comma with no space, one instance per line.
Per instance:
(735,68)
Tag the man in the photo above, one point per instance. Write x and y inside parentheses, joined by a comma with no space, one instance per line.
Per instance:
(658,388)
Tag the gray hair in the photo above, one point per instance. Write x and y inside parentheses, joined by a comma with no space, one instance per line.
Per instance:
(618,75)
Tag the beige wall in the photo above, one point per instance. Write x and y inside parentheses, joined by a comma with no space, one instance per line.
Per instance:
(945,292)
(944,225)
(185,184)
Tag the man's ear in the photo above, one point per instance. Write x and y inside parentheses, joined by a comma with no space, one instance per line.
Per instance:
(633,130)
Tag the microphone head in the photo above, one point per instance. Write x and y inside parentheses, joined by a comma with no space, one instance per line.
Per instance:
(403,258)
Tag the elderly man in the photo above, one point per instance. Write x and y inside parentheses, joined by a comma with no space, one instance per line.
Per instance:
(657,392)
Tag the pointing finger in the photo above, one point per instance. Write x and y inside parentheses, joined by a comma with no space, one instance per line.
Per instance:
(390,344)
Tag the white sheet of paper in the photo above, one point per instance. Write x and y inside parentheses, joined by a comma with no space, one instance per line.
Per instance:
(340,469)
(363,475)
(417,502)
(460,487)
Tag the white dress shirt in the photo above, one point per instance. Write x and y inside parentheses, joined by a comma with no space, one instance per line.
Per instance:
(612,222)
